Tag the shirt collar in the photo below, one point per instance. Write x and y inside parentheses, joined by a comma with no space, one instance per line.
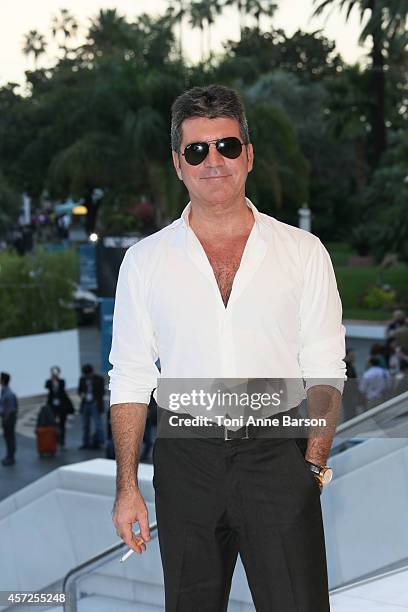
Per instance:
(186,212)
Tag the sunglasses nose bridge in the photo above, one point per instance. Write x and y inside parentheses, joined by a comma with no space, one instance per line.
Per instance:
(214,157)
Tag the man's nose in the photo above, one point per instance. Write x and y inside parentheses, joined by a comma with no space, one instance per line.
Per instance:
(214,158)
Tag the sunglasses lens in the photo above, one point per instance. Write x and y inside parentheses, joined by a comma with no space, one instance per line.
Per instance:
(196,152)
(229,147)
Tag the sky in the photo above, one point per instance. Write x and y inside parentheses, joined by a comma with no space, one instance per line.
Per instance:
(20,16)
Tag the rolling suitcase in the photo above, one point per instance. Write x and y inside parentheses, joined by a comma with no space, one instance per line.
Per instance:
(46,440)
(46,431)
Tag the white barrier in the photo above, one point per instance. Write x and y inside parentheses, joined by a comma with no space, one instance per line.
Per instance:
(28,360)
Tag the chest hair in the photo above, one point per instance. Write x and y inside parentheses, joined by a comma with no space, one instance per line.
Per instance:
(225,260)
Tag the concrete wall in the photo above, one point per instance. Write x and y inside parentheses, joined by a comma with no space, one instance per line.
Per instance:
(365,509)
(28,360)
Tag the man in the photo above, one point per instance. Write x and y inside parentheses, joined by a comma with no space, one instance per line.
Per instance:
(401,336)
(8,412)
(397,321)
(350,392)
(375,383)
(91,390)
(226,292)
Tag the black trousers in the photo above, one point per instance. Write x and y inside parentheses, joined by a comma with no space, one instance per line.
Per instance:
(61,418)
(256,497)
(9,426)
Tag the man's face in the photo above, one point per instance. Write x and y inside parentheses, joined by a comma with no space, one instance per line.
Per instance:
(217,178)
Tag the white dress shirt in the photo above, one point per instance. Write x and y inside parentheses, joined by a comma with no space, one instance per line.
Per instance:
(374,383)
(282,319)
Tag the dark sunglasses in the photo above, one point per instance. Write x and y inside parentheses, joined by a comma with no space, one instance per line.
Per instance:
(196,152)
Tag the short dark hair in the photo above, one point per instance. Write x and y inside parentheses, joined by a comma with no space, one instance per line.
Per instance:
(87,369)
(212,101)
(5,378)
(374,361)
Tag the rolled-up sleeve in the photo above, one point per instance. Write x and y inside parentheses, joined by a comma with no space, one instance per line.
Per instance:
(322,334)
(133,352)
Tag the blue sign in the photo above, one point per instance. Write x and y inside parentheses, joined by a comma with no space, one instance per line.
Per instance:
(87,266)
(106,319)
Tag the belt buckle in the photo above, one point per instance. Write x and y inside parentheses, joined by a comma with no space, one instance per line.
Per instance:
(226,437)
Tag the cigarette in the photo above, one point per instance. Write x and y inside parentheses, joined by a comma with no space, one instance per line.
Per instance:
(126,555)
(129,552)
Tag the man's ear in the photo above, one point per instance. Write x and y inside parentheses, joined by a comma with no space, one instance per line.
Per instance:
(176,163)
(250,156)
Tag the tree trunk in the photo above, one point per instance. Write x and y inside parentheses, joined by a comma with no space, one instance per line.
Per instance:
(181,7)
(241,17)
(202,41)
(208,40)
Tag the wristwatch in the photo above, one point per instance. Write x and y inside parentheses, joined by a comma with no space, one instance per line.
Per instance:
(323,473)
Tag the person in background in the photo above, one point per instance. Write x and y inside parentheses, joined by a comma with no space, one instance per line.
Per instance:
(350,359)
(397,321)
(91,390)
(375,383)
(59,401)
(8,412)
(393,357)
(401,379)
(401,337)
(378,350)
(350,392)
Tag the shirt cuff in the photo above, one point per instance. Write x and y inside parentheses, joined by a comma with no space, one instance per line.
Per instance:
(337,383)
(120,397)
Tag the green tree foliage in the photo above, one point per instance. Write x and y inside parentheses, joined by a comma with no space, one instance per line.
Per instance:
(279,182)
(384,203)
(36,293)
(99,117)
(9,205)
(309,55)
(385,19)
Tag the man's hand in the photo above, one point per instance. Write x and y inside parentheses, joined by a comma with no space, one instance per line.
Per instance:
(129,508)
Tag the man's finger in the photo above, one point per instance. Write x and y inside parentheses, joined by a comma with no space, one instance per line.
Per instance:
(129,538)
(144,527)
(139,541)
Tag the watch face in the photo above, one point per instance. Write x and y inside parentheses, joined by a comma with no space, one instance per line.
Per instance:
(327,476)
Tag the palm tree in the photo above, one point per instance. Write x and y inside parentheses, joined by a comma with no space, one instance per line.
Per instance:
(346,116)
(34,44)
(385,19)
(178,10)
(202,15)
(258,8)
(109,31)
(90,161)
(64,26)
(239,4)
